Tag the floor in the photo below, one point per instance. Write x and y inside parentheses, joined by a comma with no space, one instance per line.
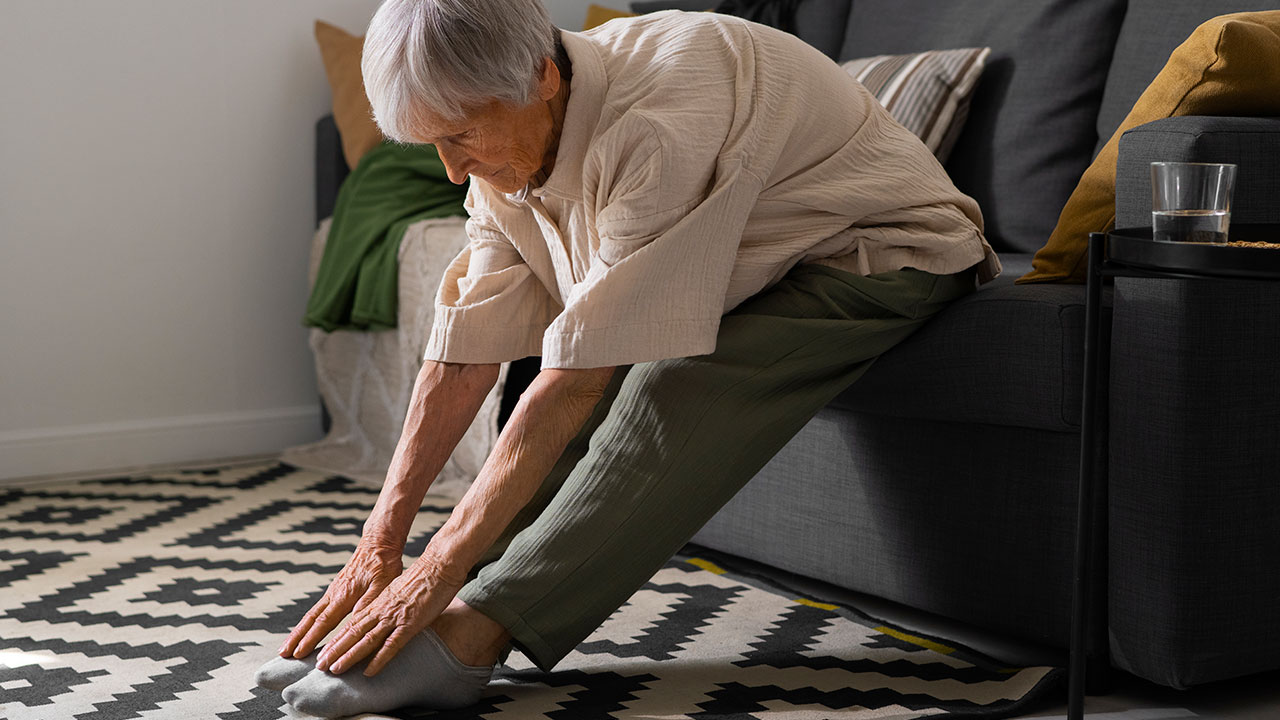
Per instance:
(1252,698)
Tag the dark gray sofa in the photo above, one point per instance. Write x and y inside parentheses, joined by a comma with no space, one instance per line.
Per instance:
(945,479)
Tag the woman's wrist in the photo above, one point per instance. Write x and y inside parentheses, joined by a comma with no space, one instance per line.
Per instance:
(379,540)
(437,567)
(524,454)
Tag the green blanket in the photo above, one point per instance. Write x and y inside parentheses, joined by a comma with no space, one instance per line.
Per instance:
(391,188)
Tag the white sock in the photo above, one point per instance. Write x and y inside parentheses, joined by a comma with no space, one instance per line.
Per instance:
(423,674)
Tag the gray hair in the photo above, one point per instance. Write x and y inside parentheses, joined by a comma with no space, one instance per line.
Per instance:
(450,56)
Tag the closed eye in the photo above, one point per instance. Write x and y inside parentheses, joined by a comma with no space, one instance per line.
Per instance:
(453,139)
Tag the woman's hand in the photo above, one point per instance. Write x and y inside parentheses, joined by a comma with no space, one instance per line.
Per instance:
(404,609)
(547,417)
(372,567)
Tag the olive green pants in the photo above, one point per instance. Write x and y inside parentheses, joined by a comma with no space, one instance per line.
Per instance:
(673,440)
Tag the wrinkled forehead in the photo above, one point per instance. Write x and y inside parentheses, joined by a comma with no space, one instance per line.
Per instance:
(427,125)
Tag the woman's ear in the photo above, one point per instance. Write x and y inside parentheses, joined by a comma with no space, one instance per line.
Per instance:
(548,79)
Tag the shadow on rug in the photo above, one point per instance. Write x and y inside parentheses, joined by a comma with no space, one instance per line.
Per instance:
(158,596)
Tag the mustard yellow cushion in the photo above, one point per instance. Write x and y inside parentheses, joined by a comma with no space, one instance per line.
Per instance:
(341,51)
(599,15)
(1229,66)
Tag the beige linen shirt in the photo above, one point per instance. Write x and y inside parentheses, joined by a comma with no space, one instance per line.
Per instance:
(702,157)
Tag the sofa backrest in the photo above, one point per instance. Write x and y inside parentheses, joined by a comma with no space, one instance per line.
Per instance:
(1062,76)
(1031,127)
(821,23)
(818,22)
(1152,30)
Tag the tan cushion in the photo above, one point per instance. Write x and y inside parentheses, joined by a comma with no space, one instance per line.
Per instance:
(340,51)
(599,15)
(927,92)
(1229,66)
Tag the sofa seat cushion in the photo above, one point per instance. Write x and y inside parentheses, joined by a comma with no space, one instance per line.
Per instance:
(973,522)
(1005,355)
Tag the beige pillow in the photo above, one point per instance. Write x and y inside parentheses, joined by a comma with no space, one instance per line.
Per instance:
(1229,66)
(341,51)
(927,92)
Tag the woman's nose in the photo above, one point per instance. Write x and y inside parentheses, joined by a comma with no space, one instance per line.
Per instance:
(456,164)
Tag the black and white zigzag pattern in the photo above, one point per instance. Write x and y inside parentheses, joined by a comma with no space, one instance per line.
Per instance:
(158,597)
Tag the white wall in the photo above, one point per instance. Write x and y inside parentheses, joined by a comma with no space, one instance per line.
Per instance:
(156,208)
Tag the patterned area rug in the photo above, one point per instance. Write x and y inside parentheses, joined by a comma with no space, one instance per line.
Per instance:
(158,596)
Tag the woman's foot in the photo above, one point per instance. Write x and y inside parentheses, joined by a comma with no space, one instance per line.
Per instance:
(423,674)
(279,673)
(473,637)
(446,666)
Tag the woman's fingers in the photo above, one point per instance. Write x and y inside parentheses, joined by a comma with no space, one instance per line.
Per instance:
(386,616)
(370,595)
(370,569)
(326,620)
(362,648)
(314,634)
(390,648)
(300,630)
(356,629)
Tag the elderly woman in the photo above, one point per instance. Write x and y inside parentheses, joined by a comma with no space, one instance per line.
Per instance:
(706,229)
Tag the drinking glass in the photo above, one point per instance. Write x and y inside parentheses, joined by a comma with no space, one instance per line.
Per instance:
(1191,202)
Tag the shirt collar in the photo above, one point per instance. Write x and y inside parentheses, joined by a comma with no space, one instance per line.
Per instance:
(587,88)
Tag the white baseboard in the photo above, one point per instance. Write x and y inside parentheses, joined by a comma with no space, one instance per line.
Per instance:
(26,455)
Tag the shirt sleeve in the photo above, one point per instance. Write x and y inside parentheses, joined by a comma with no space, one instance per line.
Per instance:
(490,307)
(670,222)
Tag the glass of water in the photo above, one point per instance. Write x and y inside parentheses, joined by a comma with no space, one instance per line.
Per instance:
(1191,202)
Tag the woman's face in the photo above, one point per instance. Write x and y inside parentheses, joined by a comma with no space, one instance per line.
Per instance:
(500,144)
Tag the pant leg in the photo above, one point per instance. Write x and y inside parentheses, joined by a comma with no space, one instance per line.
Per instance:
(683,436)
(573,453)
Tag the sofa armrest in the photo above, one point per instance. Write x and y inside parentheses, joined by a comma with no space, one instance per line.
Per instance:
(1192,410)
(331,167)
(1252,143)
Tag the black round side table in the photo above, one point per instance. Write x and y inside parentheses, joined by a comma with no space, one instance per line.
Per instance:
(1130,253)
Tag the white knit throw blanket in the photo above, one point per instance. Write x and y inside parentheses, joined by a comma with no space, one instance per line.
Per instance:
(366,378)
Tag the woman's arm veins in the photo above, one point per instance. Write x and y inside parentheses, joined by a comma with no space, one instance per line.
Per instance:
(445,400)
(550,413)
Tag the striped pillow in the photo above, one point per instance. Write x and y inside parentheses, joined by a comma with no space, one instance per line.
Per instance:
(927,92)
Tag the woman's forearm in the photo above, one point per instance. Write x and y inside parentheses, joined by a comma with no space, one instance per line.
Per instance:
(445,400)
(550,413)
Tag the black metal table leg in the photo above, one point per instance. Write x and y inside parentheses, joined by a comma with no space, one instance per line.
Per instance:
(1083,580)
